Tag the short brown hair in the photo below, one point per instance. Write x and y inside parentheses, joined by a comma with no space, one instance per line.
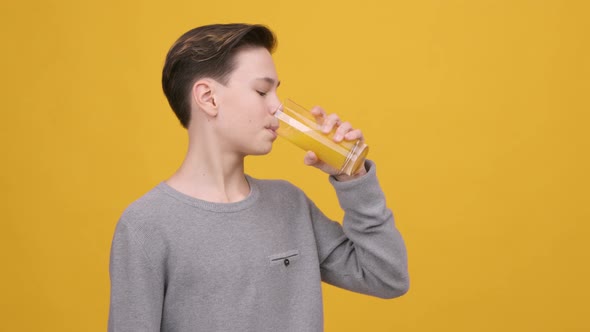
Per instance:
(207,51)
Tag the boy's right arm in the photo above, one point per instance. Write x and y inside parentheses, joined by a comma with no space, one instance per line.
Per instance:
(137,287)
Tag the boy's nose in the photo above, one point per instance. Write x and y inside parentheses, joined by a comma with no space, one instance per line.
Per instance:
(275,105)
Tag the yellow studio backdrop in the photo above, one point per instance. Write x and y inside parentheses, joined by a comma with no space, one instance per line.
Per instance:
(476,113)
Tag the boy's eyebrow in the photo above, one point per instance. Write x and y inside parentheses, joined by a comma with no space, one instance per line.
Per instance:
(270,80)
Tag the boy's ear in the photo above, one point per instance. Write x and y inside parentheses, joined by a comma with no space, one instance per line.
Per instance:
(204,96)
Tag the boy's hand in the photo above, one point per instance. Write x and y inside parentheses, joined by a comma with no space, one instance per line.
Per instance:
(342,131)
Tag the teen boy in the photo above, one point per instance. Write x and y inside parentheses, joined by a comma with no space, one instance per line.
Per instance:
(213,249)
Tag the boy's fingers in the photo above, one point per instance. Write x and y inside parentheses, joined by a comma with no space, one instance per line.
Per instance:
(342,131)
(330,122)
(354,135)
(319,114)
(310,158)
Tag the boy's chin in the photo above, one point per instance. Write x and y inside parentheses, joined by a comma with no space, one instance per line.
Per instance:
(262,151)
(265,152)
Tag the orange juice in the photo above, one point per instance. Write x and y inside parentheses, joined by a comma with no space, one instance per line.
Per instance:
(298,126)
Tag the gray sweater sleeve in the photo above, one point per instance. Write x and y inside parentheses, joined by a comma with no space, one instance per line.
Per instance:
(367,254)
(137,290)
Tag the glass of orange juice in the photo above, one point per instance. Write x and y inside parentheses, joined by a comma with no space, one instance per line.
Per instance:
(300,127)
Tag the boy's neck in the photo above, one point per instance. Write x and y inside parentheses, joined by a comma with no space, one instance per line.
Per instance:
(210,175)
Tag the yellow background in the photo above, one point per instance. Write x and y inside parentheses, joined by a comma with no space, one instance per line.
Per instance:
(476,113)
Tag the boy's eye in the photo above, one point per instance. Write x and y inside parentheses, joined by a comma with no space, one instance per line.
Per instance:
(261,93)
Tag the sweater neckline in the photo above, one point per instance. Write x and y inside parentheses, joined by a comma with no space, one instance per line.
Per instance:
(213,206)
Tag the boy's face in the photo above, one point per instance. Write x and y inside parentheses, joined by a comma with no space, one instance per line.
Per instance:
(246,105)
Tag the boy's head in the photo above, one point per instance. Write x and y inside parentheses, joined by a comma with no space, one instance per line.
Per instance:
(207,51)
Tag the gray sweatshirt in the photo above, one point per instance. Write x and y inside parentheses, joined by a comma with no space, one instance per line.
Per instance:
(183,264)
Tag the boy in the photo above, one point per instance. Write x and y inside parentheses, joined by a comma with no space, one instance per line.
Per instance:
(212,249)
